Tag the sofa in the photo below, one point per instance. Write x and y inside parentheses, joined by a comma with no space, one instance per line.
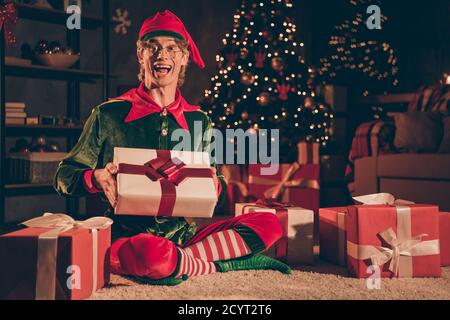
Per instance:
(418,177)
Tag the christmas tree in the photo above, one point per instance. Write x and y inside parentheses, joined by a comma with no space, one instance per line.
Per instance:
(263,81)
(360,56)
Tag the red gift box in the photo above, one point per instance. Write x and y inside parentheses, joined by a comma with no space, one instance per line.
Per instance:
(308,152)
(237,191)
(402,240)
(46,264)
(296,183)
(293,183)
(332,235)
(444,234)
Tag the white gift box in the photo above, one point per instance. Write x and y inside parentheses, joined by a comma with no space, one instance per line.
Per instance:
(296,245)
(139,195)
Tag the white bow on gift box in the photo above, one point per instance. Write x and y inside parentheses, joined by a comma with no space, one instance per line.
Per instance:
(48,248)
(402,245)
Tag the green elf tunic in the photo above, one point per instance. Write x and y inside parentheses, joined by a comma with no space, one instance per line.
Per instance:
(134,120)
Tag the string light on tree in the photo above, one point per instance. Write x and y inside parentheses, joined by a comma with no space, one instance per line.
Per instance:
(265,68)
(359,56)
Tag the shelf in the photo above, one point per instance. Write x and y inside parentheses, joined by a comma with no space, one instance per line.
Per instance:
(43,72)
(386,99)
(18,130)
(12,190)
(54,16)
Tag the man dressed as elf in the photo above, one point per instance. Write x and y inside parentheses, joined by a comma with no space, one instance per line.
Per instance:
(162,250)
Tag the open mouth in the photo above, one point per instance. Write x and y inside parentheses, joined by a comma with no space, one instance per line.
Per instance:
(162,69)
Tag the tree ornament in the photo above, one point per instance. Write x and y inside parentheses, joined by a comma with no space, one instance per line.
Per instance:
(231,58)
(244,115)
(283,90)
(309,102)
(267,35)
(247,78)
(259,59)
(244,53)
(277,64)
(264,99)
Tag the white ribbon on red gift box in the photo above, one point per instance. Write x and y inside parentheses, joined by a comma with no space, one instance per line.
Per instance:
(341,237)
(403,246)
(48,248)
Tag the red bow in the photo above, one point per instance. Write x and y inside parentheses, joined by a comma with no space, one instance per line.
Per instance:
(259,58)
(283,89)
(164,168)
(8,18)
(170,172)
(231,58)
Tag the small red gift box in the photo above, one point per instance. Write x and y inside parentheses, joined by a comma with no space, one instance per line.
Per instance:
(444,234)
(332,235)
(403,240)
(293,183)
(296,183)
(63,260)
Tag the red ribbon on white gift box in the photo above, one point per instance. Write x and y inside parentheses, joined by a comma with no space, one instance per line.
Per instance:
(170,172)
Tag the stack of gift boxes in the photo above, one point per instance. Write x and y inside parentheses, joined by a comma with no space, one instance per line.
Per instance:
(56,257)
(401,238)
(290,191)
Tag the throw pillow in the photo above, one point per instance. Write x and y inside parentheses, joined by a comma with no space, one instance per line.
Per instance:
(418,131)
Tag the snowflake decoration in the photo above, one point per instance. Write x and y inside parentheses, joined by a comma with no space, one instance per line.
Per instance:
(123,24)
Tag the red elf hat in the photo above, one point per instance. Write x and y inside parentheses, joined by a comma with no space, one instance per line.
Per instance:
(167,24)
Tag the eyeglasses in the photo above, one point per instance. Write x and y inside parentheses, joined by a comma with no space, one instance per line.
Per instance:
(155,50)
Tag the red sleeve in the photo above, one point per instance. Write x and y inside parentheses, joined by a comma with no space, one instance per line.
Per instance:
(88,185)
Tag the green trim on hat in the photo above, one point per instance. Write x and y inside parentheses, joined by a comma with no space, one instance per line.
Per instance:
(162,33)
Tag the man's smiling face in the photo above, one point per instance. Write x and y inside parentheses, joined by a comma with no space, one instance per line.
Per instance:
(162,59)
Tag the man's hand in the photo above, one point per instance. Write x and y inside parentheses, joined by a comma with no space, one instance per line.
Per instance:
(105,179)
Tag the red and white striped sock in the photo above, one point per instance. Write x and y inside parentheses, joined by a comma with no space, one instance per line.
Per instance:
(194,267)
(219,246)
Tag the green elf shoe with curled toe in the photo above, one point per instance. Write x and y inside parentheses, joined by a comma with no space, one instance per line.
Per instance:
(253,262)
(169,281)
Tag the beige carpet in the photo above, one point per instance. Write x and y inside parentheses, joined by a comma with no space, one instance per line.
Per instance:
(321,281)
